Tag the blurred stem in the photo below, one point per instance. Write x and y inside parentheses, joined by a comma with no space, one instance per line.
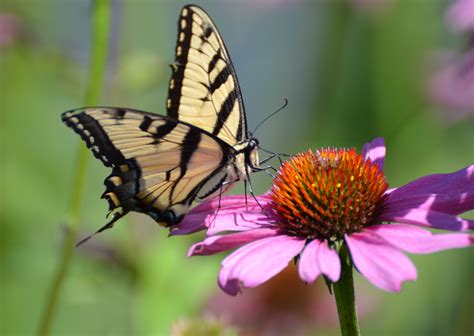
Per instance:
(100,36)
(345,296)
(339,18)
(335,32)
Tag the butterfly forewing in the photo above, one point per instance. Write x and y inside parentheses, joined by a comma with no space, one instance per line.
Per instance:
(159,165)
(204,89)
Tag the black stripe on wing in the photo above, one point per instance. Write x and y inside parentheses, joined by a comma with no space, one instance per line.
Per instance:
(220,79)
(94,136)
(178,68)
(224,113)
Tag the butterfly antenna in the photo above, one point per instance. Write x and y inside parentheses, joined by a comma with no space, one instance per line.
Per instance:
(269,116)
(109,225)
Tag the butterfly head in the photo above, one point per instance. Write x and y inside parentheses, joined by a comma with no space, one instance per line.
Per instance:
(251,153)
(252,144)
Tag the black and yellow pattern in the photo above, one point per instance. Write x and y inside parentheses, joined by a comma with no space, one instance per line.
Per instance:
(204,89)
(158,164)
(162,164)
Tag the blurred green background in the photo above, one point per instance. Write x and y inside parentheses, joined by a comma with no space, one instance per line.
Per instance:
(349,73)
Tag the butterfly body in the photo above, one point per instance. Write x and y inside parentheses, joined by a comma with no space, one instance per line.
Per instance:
(162,164)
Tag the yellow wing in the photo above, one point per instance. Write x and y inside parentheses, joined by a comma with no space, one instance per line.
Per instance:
(159,165)
(203,89)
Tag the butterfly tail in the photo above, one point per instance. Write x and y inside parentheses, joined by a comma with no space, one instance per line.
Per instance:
(109,225)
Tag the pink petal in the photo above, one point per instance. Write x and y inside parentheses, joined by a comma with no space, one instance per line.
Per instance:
(375,151)
(417,240)
(428,218)
(232,203)
(457,186)
(451,204)
(318,258)
(190,224)
(239,221)
(381,263)
(213,213)
(216,244)
(257,262)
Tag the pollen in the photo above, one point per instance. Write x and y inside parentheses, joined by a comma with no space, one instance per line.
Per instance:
(327,193)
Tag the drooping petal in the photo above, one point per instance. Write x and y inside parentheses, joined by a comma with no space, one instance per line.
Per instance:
(375,151)
(224,211)
(216,244)
(257,262)
(384,265)
(428,218)
(417,240)
(318,258)
(457,189)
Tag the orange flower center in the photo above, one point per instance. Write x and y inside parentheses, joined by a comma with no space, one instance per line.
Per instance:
(327,193)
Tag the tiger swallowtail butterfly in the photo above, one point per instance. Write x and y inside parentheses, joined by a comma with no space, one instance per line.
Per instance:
(162,164)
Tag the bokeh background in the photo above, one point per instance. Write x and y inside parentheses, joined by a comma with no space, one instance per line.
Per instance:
(351,70)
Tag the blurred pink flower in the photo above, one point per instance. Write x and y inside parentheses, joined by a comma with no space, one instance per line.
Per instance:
(452,86)
(284,306)
(460,16)
(322,199)
(9,28)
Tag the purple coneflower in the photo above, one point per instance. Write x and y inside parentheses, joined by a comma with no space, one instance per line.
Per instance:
(318,201)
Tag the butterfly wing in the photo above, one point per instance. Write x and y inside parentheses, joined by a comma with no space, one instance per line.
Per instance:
(159,165)
(203,89)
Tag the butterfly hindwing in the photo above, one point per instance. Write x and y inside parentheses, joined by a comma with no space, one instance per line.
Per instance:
(204,89)
(159,165)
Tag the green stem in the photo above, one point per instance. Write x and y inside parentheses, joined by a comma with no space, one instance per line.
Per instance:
(100,37)
(345,296)
(100,42)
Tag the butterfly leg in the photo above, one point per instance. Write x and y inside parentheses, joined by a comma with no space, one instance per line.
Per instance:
(265,169)
(255,198)
(218,205)
(267,159)
(245,193)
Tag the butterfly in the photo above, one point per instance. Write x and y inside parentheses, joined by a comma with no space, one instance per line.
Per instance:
(162,164)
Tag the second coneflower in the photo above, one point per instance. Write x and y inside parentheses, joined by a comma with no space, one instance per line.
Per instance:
(323,200)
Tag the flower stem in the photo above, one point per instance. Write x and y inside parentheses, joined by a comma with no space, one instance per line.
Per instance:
(345,296)
(100,37)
